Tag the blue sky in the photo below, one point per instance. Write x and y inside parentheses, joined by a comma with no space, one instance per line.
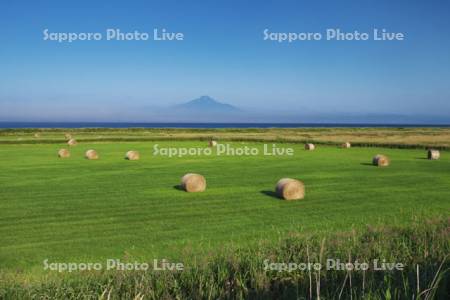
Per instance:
(223,55)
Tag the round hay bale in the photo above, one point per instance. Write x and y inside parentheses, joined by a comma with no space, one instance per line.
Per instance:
(72,142)
(212,143)
(132,155)
(434,154)
(346,145)
(91,154)
(310,147)
(63,153)
(68,136)
(380,160)
(37,135)
(193,183)
(290,189)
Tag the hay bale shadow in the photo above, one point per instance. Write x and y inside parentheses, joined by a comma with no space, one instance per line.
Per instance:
(178,187)
(270,194)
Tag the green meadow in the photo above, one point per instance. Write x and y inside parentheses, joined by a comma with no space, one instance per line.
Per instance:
(77,210)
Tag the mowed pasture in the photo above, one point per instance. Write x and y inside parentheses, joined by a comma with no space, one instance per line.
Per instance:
(78,210)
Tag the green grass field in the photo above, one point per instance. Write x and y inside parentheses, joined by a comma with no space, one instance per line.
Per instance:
(75,210)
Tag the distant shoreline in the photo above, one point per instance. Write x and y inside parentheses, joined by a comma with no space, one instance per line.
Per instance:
(73,125)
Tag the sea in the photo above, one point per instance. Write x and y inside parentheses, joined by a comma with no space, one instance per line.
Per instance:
(13,125)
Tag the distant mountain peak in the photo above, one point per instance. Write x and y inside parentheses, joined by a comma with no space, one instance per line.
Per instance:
(207,104)
(204,98)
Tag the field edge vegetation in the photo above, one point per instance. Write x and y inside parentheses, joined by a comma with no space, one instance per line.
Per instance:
(422,246)
(438,138)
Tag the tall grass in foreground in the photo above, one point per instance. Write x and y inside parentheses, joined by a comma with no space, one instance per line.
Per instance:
(422,247)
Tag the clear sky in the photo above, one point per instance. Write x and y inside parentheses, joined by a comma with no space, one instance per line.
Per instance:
(223,55)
